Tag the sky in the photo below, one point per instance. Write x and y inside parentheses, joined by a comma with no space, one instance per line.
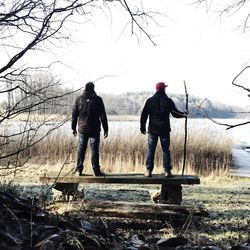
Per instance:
(192,45)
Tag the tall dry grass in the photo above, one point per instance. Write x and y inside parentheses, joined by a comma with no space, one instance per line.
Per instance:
(125,150)
(208,151)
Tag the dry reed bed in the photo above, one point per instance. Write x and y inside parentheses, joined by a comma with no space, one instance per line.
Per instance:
(208,150)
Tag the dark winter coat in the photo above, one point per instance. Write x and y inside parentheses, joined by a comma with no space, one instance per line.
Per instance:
(89,112)
(158,108)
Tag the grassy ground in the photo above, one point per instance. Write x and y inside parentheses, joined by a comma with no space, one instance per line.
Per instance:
(226,199)
(228,203)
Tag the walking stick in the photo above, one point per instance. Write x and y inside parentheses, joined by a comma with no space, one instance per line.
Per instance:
(185,140)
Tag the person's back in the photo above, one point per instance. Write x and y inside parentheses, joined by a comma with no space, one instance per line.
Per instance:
(89,110)
(89,113)
(158,108)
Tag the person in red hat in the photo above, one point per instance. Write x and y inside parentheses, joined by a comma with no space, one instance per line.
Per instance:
(158,108)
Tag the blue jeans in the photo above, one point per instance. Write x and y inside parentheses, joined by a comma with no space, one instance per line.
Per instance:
(94,146)
(165,143)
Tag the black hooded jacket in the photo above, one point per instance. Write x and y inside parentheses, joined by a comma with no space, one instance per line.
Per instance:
(158,108)
(89,112)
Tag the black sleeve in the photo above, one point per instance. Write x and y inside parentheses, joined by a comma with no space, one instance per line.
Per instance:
(144,116)
(75,113)
(175,112)
(103,116)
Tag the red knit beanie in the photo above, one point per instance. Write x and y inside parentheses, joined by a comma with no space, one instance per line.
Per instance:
(160,86)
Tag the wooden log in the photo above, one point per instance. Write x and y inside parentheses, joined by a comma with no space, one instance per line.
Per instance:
(138,210)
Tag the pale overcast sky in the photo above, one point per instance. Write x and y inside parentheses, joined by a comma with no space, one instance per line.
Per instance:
(192,45)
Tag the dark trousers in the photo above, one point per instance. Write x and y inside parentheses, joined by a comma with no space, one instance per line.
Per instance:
(165,143)
(94,140)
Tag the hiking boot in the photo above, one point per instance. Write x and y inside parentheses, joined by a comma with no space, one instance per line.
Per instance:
(99,173)
(148,173)
(168,173)
(79,172)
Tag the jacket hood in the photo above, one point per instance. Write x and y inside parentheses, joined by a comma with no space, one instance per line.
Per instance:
(89,94)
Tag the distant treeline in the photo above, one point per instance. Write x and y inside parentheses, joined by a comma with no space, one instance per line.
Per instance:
(54,99)
(131,103)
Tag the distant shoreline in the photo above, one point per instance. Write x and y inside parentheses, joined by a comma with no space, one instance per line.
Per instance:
(59,118)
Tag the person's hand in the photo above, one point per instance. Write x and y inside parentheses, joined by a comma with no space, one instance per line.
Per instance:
(74,133)
(143,131)
(106,134)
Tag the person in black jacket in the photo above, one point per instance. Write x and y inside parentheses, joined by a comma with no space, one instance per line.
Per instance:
(158,108)
(89,112)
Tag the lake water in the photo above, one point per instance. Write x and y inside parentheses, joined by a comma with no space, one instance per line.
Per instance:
(241,149)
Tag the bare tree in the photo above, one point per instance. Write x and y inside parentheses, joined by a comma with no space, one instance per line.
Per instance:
(40,25)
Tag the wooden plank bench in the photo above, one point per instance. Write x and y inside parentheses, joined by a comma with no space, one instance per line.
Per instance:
(171,188)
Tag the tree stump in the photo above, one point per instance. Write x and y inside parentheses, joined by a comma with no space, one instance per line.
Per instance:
(171,194)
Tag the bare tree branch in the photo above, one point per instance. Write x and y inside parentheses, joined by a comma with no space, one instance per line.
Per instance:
(228,126)
(228,8)
(238,75)
(133,19)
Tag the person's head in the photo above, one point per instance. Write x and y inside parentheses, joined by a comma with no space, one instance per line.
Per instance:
(89,87)
(160,86)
